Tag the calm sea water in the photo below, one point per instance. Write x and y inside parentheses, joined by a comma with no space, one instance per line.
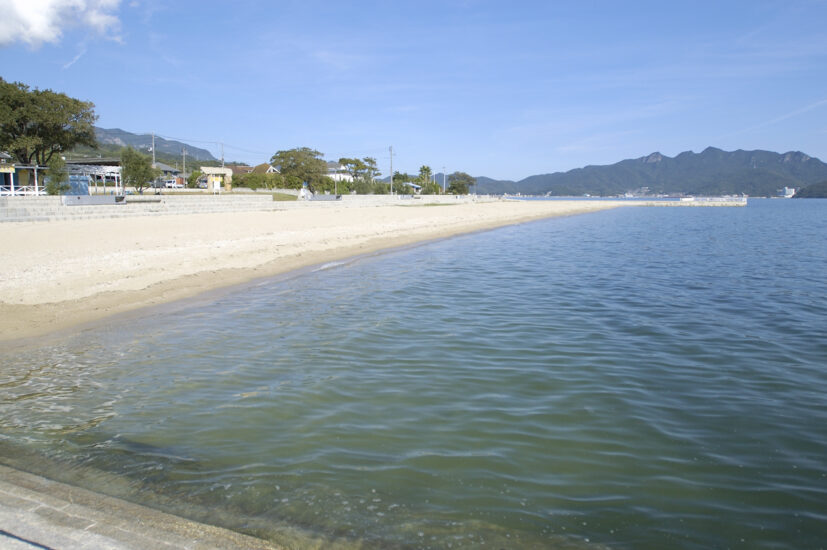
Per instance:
(639,378)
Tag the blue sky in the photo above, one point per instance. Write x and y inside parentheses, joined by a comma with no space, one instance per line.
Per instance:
(501,89)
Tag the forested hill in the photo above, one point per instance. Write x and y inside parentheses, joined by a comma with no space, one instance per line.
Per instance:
(143,142)
(814,191)
(711,172)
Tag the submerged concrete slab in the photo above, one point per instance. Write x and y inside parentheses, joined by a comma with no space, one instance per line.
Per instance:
(37,513)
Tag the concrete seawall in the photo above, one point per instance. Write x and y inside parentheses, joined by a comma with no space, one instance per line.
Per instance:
(44,209)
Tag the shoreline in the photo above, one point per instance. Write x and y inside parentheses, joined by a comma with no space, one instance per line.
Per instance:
(59,276)
(40,512)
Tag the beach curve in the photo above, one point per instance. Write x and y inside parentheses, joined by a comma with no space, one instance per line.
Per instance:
(61,274)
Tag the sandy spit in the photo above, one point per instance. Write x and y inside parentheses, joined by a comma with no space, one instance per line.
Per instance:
(56,275)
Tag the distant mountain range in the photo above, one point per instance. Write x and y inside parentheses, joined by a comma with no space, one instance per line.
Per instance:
(117,138)
(711,172)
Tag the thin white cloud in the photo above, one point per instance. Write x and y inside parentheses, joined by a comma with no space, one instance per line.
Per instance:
(75,59)
(776,120)
(147,8)
(34,22)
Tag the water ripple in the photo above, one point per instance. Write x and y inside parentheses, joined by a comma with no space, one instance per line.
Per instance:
(640,378)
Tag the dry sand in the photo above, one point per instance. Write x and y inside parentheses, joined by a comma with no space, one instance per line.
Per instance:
(55,275)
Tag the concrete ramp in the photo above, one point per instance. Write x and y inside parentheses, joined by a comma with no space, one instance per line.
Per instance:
(37,513)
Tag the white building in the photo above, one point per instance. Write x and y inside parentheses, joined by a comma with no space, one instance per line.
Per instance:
(337,172)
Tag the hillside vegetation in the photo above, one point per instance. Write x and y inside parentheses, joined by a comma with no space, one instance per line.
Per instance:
(814,191)
(112,141)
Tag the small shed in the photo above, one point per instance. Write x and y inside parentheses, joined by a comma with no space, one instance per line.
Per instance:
(94,173)
(18,179)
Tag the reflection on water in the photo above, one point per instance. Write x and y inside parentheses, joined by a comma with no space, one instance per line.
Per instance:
(641,378)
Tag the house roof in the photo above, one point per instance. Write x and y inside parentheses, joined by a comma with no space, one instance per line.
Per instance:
(166,168)
(240,169)
(4,155)
(95,161)
(264,168)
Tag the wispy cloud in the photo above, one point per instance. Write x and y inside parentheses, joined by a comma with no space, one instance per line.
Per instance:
(147,8)
(781,118)
(75,59)
(36,22)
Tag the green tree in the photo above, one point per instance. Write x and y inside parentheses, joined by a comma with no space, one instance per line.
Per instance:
(36,124)
(400,178)
(380,188)
(430,188)
(274,181)
(303,163)
(362,187)
(364,173)
(192,180)
(425,174)
(329,185)
(292,182)
(250,181)
(355,167)
(361,169)
(136,169)
(371,170)
(57,177)
(425,180)
(459,182)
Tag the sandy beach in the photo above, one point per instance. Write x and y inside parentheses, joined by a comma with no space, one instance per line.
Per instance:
(55,275)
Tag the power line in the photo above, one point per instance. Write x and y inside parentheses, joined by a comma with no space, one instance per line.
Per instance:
(219,143)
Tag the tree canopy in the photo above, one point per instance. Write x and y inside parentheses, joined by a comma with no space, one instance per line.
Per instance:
(459,182)
(402,177)
(425,179)
(192,180)
(425,174)
(56,180)
(256,181)
(36,124)
(355,167)
(302,163)
(361,169)
(136,169)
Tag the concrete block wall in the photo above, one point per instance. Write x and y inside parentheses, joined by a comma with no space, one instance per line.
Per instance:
(39,209)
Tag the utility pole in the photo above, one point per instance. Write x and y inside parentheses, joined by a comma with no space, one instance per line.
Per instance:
(185,160)
(391,149)
(222,154)
(443,180)
(153,149)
